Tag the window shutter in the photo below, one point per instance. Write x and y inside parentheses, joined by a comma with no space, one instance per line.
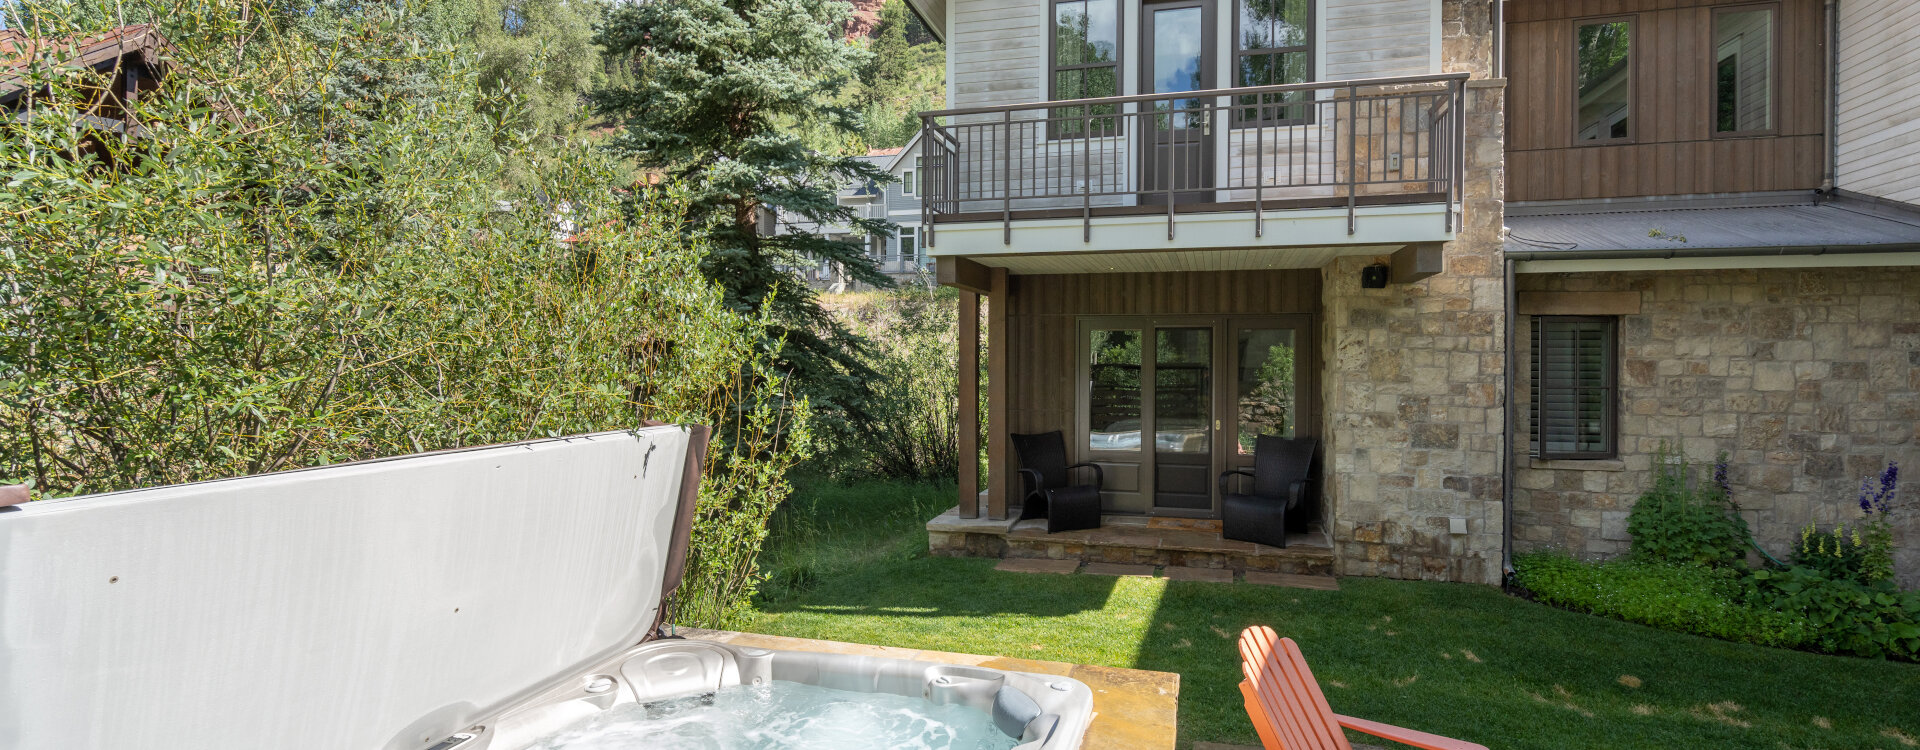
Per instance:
(1573,387)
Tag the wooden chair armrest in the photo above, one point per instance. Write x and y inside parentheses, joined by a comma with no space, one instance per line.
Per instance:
(1405,736)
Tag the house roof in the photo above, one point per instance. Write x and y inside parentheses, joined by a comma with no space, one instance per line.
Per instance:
(883,151)
(933,15)
(901,153)
(1784,224)
(100,51)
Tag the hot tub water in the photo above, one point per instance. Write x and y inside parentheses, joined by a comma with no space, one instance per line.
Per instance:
(782,715)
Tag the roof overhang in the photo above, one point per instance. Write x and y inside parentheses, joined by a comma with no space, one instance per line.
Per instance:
(933,15)
(1779,230)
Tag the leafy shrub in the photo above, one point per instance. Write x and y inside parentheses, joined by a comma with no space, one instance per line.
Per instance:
(313,255)
(1682,597)
(912,337)
(1684,521)
(1846,616)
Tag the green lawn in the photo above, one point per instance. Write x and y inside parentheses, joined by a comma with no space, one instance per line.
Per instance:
(1464,661)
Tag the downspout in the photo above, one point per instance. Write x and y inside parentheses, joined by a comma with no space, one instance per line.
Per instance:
(1507,421)
(1831,180)
(1500,38)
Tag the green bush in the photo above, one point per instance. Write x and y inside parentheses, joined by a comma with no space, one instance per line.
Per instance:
(311,254)
(1846,616)
(1682,597)
(1683,521)
(912,337)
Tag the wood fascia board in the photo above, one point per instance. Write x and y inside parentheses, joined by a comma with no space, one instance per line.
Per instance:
(963,274)
(1416,262)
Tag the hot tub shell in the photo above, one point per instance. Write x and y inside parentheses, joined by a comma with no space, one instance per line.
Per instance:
(474,599)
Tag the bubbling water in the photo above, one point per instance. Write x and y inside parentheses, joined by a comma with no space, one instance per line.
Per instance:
(783,716)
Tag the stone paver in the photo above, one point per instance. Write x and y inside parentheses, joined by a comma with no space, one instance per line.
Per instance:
(1028,565)
(1323,583)
(1118,569)
(1133,709)
(1208,575)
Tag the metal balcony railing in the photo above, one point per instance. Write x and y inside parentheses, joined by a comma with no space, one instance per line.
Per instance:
(1329,144)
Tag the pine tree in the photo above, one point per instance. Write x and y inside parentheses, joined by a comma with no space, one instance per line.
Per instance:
(543,50)
(721,90)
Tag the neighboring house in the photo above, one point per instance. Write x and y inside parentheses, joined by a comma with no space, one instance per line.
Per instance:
(133,59)
(1317,246)
(901,255)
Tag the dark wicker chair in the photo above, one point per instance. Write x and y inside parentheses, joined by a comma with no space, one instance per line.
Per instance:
(1282,471)
(1049,490)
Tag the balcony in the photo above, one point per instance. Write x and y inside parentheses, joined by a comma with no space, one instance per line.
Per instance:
(1341,166)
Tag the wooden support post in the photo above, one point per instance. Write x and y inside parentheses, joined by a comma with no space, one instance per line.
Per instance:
(969,364)
(1000,473)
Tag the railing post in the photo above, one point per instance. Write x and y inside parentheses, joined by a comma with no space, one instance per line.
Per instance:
(1086,174)
(928,194)
(1353,153)
(1259,159)
(1006,177)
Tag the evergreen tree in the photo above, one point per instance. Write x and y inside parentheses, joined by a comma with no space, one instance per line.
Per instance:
(720,92)
(886,73)
(543,51)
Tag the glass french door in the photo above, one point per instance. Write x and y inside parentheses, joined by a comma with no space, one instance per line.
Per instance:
(1167,403)
(1177,44)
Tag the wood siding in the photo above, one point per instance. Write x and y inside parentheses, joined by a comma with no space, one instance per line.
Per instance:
(1377,38)
(1043,312)
(1879,130)
(998,53)
(1674,150)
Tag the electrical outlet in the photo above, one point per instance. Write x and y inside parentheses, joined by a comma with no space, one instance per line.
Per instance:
(1393,162)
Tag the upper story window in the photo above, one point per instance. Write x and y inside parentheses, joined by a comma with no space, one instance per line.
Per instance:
(1085,65)
(1575,387)
(1743,61)
(1273,45)
(1603,80)
(906,182)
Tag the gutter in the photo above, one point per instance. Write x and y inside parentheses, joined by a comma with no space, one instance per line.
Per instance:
(1712,252)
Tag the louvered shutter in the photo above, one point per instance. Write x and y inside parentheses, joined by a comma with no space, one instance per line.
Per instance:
(1573,387)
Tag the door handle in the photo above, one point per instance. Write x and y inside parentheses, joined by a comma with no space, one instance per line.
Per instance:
(1206,128)
(1216,425)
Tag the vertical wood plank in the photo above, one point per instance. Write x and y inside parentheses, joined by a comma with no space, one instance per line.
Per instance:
(1000,470)
(969,411)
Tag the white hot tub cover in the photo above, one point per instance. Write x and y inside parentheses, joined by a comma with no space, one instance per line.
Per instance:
(379,605)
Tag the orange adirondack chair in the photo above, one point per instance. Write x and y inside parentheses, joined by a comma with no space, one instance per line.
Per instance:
(1290,712)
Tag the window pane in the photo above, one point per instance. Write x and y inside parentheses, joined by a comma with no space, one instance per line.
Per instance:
(906,182)
(1743,85)
(1604,80)
(1113,391)
(1085,32)
(1182,389)
(1267,403)
(907,249)
(1573,397)
(1265,24)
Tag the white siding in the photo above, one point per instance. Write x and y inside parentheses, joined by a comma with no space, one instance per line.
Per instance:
(1879,134)
(1376,38)
(998,52)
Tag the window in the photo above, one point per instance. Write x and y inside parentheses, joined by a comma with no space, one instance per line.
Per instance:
(1603,80)
(1113,390)
(908,246)
(1574,387)
(1273,45)
(1743,70)
(1085,65)
(906,183)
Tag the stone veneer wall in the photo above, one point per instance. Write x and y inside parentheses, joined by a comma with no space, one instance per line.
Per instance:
(1412,381)
(1808,378)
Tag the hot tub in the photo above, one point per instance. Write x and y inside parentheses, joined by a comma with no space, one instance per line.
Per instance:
(479,599)
(1034,711)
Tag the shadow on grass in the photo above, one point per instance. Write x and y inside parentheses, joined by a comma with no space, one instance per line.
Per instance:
(937,587)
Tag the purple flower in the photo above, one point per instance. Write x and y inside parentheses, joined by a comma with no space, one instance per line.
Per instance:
(1880,500)
(1720,477)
